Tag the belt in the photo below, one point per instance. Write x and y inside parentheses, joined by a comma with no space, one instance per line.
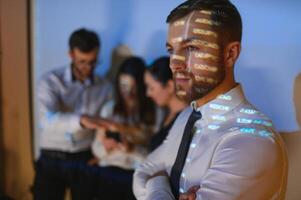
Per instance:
(83,155)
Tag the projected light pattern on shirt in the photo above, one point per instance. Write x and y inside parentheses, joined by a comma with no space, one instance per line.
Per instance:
(248,111)
(219,118)
(246,120)
(219,107)
(225,97)
(227,116)
(264,133)
(248,130)
(213,127)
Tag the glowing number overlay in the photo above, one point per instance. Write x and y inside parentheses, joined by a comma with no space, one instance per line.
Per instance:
(264,133)
(213,127)
(219,107)
(204,32)
(177,57)
(177,39)
(244,121)
(179,23)
(219,118)
(205,44)
(205,67)
(207,21)
(207,12)
(248,111)
(205,56)
(225,97)
(248,130)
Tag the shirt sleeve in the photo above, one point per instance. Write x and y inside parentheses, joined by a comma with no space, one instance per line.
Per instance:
(244,167)
(158,187)
(52,118)
(153,164)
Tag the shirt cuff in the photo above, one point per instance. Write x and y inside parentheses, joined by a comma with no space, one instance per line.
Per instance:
(75,123)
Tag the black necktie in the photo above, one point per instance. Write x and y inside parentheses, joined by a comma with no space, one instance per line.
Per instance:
(182,153)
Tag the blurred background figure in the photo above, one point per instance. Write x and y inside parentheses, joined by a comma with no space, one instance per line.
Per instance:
(123,133)
(68,100)
(160,87)
(119,54)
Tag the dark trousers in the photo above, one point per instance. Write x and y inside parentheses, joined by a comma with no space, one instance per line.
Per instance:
(56,171)
(112,183)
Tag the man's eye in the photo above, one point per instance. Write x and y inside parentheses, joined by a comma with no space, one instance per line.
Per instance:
(169,50)
(192,48)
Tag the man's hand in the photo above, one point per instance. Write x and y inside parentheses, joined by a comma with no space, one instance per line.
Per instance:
(93,122)
(190,194)
(87,122)
(93,161)
(110,144)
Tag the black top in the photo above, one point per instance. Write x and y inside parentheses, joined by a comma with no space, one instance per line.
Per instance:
(160,136)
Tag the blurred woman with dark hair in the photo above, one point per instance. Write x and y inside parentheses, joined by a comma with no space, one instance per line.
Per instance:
(124,132)
(160,87)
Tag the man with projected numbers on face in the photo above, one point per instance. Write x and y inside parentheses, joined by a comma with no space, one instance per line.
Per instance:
(222,147)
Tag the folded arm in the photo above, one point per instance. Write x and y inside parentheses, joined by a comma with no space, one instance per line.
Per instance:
(244,167)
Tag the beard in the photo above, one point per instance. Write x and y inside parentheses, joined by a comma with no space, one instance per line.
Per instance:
(191,90)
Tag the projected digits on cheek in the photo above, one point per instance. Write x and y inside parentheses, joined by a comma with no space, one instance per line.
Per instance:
(177,57)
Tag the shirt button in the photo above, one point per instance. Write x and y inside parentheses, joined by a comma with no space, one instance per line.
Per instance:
(181,190)
(183,175)
(193,145)
(188,160)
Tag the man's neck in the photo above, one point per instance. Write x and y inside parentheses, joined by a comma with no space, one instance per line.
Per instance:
(222,88)
(175,105)
(76,75)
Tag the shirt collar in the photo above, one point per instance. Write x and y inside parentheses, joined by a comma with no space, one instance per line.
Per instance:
(70,78)
(221,105)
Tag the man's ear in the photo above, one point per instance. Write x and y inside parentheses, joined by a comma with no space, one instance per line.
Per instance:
(71,54)
(231,53)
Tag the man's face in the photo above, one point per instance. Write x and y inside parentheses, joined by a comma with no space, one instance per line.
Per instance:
(83,63)
(196,55)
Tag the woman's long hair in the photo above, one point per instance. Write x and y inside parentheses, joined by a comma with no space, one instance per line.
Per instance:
(135,67)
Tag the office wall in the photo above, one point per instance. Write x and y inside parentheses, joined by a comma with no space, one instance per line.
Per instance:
(267,67)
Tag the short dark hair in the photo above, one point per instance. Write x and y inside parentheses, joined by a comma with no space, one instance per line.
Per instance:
(85,40)
(160,70)
(223,12)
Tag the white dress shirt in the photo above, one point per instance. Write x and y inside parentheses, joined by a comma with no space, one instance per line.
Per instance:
(235,154)
(121,158)
(61,102)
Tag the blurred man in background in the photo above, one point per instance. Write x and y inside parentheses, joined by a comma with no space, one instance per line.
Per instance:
(68,99)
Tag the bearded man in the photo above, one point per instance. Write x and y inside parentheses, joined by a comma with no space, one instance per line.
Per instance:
(222,147)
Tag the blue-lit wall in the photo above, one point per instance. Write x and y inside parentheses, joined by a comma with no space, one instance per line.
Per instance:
(267,68)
